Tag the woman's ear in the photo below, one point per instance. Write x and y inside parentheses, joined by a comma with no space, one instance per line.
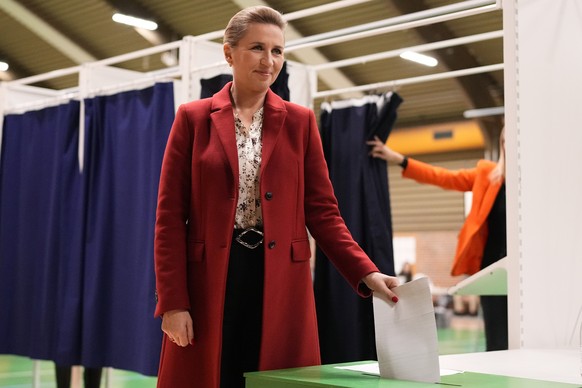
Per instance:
(227,53)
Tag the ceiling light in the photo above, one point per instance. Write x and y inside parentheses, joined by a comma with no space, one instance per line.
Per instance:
(419,58)
(169,59)
(3,66)
(483,112)
(134,22)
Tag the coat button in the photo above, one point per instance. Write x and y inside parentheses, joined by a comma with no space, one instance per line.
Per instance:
(272,244)
(268,195)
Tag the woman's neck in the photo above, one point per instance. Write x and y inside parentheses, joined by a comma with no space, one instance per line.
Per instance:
(246,103)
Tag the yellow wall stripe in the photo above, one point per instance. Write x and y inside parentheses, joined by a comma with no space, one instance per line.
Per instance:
(444,137)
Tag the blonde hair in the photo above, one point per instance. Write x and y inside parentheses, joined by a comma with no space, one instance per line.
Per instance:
(498,172)
(238,24)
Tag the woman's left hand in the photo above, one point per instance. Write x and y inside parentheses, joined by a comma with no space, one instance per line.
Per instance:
(382,151)
(382,284)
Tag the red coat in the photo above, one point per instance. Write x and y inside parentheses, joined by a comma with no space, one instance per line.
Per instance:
(474,233)
(195,217)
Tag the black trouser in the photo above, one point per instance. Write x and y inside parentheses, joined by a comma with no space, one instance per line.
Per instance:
(91,376)
(243,311)
(495,319)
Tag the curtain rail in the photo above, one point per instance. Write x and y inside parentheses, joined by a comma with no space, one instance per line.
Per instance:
(420,48)
(412,80)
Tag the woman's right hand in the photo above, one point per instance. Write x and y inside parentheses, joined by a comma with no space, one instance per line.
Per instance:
(382,151)
(177,324)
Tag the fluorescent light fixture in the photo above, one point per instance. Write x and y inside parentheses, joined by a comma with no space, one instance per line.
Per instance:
(419,58)
(135,22)
(3,66)
(483,112)
(169,59)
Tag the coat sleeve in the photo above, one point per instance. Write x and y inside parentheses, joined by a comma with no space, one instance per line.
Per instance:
(172,217)
(460,180)
(324,220)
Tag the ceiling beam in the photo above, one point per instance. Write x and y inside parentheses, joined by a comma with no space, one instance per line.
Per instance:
(46,32)
(478,88)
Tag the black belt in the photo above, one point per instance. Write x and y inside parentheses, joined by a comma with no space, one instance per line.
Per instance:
(249,238)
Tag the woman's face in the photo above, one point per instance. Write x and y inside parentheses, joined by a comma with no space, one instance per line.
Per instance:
(257,58)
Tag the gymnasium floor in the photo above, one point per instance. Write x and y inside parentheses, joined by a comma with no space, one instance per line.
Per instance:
(464,334)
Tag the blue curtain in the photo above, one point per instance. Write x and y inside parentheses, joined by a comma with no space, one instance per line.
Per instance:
(125,140)
(41,232)
(76,250)
(361,187)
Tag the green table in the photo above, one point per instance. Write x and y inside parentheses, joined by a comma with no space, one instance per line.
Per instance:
(329,376)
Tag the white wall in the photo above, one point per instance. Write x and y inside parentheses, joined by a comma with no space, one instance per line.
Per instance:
(543,87)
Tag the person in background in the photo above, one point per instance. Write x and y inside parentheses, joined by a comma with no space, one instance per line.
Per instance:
(483,236)
(242,179)
(91,376)
(466,305)
(405,273)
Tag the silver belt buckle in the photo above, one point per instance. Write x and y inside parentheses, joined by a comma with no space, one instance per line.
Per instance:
(246,244)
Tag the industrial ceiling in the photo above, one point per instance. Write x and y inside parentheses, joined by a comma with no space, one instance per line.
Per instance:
(41,36)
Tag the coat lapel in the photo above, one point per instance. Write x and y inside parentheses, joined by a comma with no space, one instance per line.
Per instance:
(489,196)
(222,121)
(273,120)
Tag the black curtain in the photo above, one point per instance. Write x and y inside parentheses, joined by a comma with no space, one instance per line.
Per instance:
(213,85)
(346,321)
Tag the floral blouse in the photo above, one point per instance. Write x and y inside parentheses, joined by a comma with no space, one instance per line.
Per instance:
(249,145)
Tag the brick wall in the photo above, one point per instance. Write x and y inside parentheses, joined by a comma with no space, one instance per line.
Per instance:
(434,255)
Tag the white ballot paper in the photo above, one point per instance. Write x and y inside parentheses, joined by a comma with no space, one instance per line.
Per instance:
(406,334)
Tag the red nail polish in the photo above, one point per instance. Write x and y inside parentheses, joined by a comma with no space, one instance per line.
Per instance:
(394,299)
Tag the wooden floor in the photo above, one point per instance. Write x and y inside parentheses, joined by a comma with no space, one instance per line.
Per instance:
(456,334)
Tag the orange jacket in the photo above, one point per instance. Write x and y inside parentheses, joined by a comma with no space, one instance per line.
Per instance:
(474,232)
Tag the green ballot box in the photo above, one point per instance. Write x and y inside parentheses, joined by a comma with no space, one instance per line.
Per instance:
(331,376)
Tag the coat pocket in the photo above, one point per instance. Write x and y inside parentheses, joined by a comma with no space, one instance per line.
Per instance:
(300,250)
(196,251)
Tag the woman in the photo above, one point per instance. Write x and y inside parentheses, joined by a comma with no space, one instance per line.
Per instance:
(243,176)
(483,237)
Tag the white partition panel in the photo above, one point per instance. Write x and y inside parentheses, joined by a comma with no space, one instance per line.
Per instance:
(301,81)
(206,61)
(543,79)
